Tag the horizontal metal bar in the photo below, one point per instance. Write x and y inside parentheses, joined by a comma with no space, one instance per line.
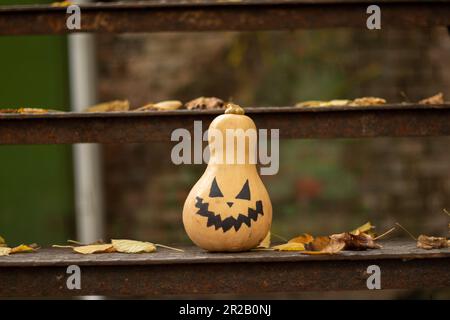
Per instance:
(196,272)
(215,15)
(127,127)
(391,250)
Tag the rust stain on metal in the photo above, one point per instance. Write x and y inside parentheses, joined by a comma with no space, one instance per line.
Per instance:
(238,273)
(126,127)
(212,15)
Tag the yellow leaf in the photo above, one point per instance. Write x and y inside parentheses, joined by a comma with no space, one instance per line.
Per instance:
(32,110)
(5,251)
(96,248)
(364,228)
(304,238)
(62,4)
(133,246)
(22,249)
(266,242)
(290,246)
(2,242)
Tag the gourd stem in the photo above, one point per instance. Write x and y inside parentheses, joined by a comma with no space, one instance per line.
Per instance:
(234,109)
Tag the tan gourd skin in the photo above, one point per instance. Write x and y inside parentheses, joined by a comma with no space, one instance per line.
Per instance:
(230,179)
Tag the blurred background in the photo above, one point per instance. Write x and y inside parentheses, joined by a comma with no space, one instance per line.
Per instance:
(323,186)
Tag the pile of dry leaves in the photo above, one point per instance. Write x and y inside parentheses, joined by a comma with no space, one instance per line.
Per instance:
(364,101)
(361,238)
(123,246)
(168,105)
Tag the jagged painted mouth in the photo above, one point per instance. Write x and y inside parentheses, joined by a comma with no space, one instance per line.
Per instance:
(229,222)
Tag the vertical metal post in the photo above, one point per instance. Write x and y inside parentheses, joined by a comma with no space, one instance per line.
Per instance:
(86,157)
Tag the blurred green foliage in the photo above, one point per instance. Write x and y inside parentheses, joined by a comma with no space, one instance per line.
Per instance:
(36,203)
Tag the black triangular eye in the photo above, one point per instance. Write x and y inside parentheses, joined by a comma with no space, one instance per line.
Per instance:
(245,192)
(215,191)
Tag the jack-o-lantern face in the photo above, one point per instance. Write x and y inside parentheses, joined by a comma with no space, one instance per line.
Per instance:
(224,212)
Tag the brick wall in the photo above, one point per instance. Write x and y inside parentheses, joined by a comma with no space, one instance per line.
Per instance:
(323,186)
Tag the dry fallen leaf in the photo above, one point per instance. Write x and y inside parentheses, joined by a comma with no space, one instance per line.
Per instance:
(4,251)
(62,4)
(318,103)
(362,241)
(205,103)
(333,246)
(304,238)
(436,99)
(290,246)
(22,249)
(116,105)
(361,238)
(34,246)
(62,247)
(265,243)
(336,103)
(78,243)
(2,242)
(310,103)
(133,246)
(364,101)
(96,248)
(366,228)
(367,101)
(162,106)
(32,111)
(428,242)
(29,111)
(319,243)
(8,110)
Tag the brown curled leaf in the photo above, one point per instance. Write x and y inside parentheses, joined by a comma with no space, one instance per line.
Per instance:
(358,242)
(333,246)
(429,242)
(205,103)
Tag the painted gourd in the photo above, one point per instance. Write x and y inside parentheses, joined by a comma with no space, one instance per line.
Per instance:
(228,209)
